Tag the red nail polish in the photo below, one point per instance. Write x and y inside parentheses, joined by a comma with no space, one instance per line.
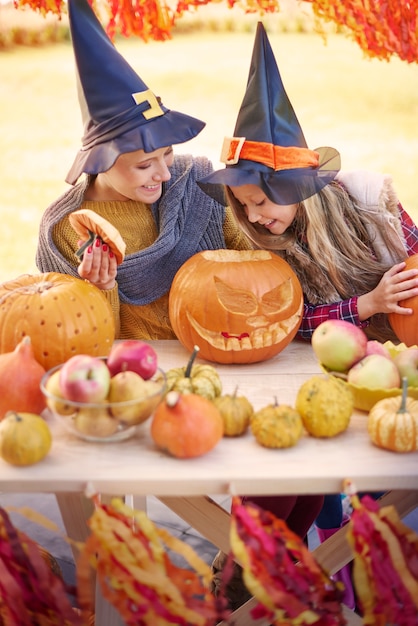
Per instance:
(89,249)
(98,243)
(111,254)
(104,248)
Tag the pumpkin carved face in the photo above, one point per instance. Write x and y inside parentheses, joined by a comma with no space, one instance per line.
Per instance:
(237,306)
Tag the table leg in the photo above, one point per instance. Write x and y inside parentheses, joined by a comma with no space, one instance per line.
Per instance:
(204,515)
(335,552)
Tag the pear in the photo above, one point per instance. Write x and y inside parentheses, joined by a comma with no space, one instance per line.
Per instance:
(95,422)
(52,386)
(130,389)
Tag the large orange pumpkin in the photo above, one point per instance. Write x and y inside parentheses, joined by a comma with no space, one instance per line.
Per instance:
(405,327)
(62,315)
(237,306)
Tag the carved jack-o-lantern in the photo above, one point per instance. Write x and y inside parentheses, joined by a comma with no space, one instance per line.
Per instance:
(237,306)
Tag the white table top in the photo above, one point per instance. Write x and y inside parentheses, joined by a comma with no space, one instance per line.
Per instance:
(235,465)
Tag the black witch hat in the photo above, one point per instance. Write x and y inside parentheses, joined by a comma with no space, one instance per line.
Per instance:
(268,148)
(120,113)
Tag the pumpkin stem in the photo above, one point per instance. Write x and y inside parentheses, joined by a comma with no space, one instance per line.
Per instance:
(234,395)
(172,398)
(14,414)
(402,408)
(188,371)
(275,401)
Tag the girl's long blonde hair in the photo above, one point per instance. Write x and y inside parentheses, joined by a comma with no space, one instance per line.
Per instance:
(330,228)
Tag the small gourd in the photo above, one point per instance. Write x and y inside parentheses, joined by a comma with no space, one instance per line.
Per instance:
(186,425)
(325,404)
(20,377)
(25,438)
(236,413)
(202,379)
(393,423)
(277,426)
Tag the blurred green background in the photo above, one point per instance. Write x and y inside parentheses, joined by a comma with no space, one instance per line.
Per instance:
(367,109)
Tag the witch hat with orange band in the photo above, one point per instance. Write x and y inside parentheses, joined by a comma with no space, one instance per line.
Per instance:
(268,148)
(120,113)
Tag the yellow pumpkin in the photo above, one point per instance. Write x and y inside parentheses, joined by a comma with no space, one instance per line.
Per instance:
(277,426)
(393,423)
(238,306)
(201,379)
(325,404)
(62,315)
(236,412)
(25,438)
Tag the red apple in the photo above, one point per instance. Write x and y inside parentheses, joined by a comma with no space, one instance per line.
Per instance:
(133,355)
(84,378)
(407,364)
(375,347)
(375,371)
(339,344)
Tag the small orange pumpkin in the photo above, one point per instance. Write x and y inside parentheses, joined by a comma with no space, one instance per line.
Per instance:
(405,327)
(20,378)
(186,425)
(238,306)
(63,316)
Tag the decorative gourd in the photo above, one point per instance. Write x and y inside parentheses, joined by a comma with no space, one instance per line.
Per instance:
(277,426)
(202,380)
(325,405)
(405,327)
(20,377)
(63,316)
(186,425)
(236,413)
(393,422)
(239,306)
(25,438)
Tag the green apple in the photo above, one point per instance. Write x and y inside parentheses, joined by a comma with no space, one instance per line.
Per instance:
(407,364)
(375,371)
(339,344)
(132,398)
(95,422)
(84,378)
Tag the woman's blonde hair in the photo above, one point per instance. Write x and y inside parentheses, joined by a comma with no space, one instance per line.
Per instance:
(330,227)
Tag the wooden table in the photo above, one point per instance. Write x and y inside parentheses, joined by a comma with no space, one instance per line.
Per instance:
(235,466)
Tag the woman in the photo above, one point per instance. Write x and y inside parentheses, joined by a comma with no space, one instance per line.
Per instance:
(133,180)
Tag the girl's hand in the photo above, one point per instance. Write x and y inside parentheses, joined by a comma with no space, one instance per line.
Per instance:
(98,265)
(395,285)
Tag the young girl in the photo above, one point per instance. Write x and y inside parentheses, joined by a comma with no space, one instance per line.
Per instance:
(345,234)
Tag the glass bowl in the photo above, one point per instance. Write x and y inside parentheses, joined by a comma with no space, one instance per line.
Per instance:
(364,397)
(105,421)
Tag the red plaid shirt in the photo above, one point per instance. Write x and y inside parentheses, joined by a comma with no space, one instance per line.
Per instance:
(313,316)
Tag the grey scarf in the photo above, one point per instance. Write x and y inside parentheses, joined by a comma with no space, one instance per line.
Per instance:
(188,222)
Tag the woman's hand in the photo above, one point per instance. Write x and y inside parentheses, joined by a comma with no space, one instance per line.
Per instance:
(99,265)
(395,285)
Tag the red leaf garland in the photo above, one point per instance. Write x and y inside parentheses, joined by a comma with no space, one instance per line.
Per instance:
(136,574)
(385,564)
(281,572)
(30,593)
(382,28)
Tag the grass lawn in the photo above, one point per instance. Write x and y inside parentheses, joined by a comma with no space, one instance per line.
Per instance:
(367,109)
